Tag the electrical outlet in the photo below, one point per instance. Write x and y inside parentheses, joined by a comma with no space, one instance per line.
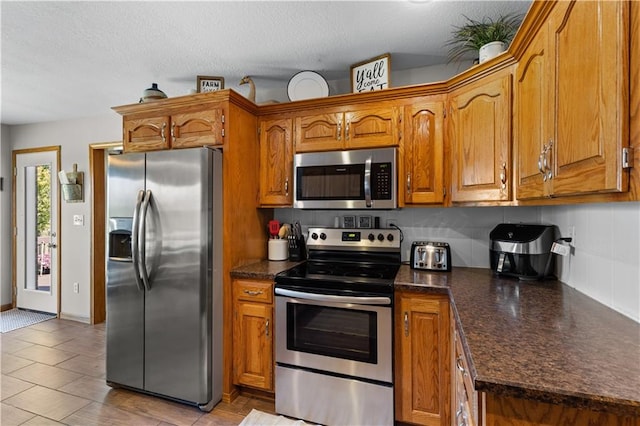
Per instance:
(572,234)
(78,220)
(76,287)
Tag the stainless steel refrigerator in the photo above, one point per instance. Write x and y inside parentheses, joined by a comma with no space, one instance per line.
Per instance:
(164,274)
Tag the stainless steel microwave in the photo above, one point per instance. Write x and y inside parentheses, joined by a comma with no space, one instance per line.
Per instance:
(357,179)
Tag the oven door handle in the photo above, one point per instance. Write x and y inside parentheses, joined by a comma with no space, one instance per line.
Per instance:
(366,300)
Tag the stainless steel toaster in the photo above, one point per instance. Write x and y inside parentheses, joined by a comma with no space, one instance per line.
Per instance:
(430,255)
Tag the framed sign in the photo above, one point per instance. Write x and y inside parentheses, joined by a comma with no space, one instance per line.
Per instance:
(209,84)
(372,74)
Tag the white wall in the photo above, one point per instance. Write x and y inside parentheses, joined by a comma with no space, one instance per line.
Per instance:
(5,217)
(605,263)
(74,137)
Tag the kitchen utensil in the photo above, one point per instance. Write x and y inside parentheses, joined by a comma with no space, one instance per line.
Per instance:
(274,228)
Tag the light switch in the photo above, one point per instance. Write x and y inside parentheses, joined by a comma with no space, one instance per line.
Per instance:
(78,220)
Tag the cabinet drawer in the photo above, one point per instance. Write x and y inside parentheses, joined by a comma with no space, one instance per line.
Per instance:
(254,291)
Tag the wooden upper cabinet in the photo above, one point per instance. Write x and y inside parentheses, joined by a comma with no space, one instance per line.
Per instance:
(178,130)
(371,127)
(481,140)
(583,51)
(323,130)
(276,162)
(319,132)
(533,117)
(194,129)
(421,177)
(148,134)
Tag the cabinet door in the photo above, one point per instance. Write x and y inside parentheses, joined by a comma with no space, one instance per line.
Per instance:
(147,134)
(195,129)
(253,345)
(533,117)
(590,47)
(422,180)
(481,141)
(319,132)
(423,374)
(371,128)
(276,162)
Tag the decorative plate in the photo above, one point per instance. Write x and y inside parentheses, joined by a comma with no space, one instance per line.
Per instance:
(307,85)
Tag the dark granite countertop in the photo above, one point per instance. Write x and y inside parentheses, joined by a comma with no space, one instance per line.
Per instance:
(263,269)
(540,340)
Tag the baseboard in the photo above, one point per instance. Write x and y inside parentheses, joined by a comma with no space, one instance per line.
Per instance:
(6,307)
(77,318)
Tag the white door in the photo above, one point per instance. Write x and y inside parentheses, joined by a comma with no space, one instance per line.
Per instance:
(36,213)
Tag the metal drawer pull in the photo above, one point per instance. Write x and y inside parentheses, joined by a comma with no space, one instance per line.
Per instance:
(266,328)
(406,324)
(162,135)
(253,292)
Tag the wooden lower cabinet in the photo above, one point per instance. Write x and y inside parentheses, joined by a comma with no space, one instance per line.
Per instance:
(253,333)
(504,410)
(468,406)
(422,359)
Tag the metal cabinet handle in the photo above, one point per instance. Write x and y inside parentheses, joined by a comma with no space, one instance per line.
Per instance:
(347,130)
(503,176)
(406,324)
(339,131)
(52,245)
(409,183)
(173,130)
(459,364)
(286,187)
(266,328)
(253,292)
(162,135)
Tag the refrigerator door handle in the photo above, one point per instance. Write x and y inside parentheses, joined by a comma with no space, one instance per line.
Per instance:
(135,254)
(143,242)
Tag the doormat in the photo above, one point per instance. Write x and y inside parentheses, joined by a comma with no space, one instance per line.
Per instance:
(258,418)
(14,319)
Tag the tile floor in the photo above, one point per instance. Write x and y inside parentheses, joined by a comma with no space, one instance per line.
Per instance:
(53,373)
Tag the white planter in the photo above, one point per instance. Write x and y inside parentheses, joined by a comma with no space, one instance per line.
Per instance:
(491,50)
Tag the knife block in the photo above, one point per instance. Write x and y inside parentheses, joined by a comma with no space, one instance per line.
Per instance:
(297,249)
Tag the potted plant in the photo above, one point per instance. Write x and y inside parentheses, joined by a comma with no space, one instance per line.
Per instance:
(489,37)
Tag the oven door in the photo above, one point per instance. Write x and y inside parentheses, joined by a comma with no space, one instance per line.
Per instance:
(346,336)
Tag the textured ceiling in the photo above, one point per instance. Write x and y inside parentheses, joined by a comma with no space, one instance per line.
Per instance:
(63,60)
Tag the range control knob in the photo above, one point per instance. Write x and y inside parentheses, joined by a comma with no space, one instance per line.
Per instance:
(390,237)
(323,236)
(380,237)
(314,236)
(371,237)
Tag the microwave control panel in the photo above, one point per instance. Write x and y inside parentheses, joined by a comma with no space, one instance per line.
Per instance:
(381,181)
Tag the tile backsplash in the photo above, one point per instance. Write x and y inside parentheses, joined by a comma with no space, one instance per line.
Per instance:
(604,264)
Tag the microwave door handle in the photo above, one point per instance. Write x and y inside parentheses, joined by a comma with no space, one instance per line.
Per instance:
(367,182)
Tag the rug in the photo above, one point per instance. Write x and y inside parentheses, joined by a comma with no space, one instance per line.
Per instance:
(258,418)
(14,319)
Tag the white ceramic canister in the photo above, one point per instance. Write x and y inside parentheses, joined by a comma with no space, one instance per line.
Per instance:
(278,249)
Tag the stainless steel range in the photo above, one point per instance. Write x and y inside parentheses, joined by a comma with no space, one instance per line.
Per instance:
(334,328)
